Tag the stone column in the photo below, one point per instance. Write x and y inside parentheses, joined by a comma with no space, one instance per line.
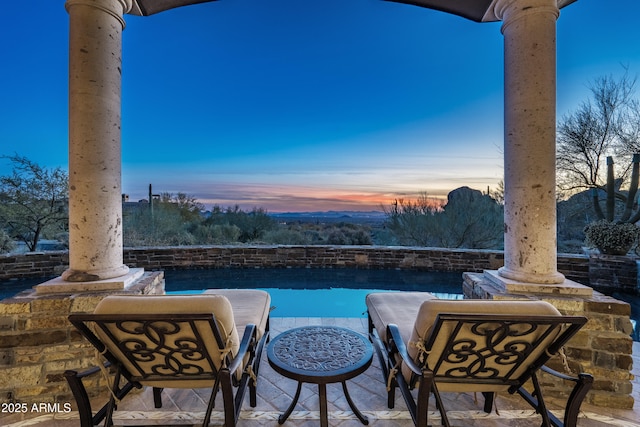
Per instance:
(529,29)
(95,203)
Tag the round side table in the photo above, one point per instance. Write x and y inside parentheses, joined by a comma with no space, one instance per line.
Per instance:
(320,355)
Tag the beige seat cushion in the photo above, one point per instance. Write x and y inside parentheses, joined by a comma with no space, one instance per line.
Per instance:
(431,308)
(399,308)
(219,305)
(250,306)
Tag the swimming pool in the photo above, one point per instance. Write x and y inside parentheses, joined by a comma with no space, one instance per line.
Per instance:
(11,287)
(304,292)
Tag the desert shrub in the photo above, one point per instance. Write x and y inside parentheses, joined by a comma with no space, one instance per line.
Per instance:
(6,242)
(469,219)
(217,234)
(253,225)
(285,237)
(612,237)
(165,227)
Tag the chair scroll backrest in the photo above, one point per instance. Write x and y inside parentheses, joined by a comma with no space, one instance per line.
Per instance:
(158,339)
(486,349)
(476,347)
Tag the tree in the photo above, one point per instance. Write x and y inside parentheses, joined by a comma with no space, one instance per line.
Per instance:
(469,219)
(605,125)
(188,206)
(412,222)
(171,220)
(165,227)
(253,225)
(33,201)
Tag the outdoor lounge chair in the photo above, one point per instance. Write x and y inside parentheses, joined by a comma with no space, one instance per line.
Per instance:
(177,341)
(481,346)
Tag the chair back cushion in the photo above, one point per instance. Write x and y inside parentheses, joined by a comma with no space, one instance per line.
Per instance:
(167,346)
(485,356)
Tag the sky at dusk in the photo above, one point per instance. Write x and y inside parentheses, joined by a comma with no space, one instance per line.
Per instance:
(294,105)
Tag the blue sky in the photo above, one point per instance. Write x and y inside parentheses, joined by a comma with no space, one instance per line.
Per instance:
(297,105)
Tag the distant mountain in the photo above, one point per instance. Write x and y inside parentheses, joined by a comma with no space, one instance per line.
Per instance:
(332,216)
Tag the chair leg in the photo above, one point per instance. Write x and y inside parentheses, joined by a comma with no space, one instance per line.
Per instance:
(157,397)
(488,401)
(439,404)
(424,390)
(231,411)
(542,407)
(391,394)
(580,390)
(212,402)
(81,397)
(108,422)
(537,402)
(385,366)
(253,399)
(392,384)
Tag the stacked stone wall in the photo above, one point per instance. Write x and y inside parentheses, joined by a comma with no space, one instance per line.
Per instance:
(33,264)
(50,264)
(614,273)
(38,344)
(602,348)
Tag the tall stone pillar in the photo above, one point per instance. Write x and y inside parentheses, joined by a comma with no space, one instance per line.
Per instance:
(529,29)
(95,203)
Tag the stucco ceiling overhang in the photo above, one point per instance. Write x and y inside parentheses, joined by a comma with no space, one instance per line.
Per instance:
(475,10)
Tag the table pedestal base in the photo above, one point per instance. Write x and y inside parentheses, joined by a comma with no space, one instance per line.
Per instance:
(324,415)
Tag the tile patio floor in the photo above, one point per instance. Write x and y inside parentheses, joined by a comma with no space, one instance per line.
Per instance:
(186,407)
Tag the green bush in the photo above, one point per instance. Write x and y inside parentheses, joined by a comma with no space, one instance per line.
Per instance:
(285,237)
(219,234)
(612,238)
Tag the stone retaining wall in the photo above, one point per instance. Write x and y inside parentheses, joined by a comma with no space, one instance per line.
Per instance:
(38,344)
(614,273)
(49,264)
(603,347)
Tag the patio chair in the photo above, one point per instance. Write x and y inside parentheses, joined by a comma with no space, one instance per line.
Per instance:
(481,346)
(177,341)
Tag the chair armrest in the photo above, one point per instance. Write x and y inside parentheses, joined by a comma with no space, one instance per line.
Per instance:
(400,347)
(88,372)
(247,344)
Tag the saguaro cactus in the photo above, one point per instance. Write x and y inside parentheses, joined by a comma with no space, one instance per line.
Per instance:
(631,213)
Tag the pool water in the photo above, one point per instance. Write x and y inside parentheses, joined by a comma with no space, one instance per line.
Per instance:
(11,287)
(307,292)
(302,292)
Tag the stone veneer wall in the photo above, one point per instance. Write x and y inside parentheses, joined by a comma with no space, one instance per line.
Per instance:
(49,264)
(614,273)
(37,344)
(603,347)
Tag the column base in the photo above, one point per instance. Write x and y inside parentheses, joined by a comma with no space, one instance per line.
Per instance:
(512,286)
(85,276)
(59,285)
(554,278)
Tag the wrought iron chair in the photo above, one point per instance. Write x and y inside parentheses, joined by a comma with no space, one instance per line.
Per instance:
(178,341)
(481,346)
